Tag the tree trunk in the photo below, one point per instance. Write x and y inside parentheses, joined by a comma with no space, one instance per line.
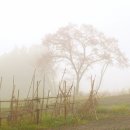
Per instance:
(77,85)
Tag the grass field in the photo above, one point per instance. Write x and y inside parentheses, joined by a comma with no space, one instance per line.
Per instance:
(113,112)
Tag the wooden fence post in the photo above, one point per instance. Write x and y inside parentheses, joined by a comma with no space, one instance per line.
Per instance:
(0,101)
(65,101)
(43,95)
(12,103)
(37,109)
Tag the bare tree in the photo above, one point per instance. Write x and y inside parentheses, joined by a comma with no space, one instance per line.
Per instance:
(81,47)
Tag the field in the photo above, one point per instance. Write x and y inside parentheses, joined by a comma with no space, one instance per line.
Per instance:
(113,114)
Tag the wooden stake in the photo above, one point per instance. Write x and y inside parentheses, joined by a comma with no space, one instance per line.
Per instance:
(43,94)
(12,98)
(0,101)
(37,111)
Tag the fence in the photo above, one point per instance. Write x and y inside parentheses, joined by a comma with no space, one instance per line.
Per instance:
(14,110)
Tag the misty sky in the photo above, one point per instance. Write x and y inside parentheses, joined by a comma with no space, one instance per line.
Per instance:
(25,22)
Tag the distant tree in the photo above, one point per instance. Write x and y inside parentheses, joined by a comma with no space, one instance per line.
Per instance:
(81,47)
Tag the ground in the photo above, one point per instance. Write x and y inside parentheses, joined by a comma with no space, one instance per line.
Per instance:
(113,113)
(117,123)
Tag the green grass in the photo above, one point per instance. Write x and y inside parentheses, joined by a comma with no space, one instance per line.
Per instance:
(107,109)
(54,122)
(46,122)
(114,109)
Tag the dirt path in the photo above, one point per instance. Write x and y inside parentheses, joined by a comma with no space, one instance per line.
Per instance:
(118,123)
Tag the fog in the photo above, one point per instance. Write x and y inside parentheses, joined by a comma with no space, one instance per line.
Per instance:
(20,64)
(24,24)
